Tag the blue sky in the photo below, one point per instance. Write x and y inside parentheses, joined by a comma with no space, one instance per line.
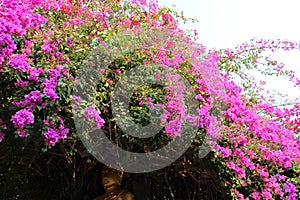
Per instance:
(227,23)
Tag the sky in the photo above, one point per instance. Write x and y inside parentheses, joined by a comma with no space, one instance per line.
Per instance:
(227,23)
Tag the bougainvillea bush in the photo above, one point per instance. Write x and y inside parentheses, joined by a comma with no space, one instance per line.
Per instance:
(43,44)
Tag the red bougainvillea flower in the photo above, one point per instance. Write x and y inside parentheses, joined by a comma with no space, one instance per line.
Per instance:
(134,22)
(167,17)
(65,9)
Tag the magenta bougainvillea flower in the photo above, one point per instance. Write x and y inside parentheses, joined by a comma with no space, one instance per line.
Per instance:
(93,114)
(42,44)
(22,118)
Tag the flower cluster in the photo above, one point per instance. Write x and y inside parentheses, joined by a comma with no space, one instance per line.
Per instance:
(16,18)
(174,114)
(21,119)
(53,135)
(291,190)
(31,100)
(254,138)
(49,90)
(92,113)
(55,130)
(19,62)
(49,85)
